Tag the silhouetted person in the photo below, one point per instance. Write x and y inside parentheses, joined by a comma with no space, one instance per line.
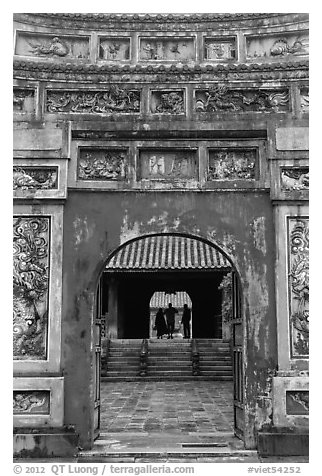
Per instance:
(169,313)
(186,318)
(160,324)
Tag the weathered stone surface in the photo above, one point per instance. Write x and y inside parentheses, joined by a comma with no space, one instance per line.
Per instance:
(292,138)
(37,139)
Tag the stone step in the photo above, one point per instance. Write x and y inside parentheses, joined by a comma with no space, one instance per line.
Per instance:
(175,378)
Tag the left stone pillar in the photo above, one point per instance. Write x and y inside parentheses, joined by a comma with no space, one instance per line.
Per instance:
(40,188)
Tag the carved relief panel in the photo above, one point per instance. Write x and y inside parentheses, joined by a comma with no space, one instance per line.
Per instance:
(102,164)
(298,233)
(232,164)
(50,46)
(297,402)
(216,49)
(167,164)
(114,49)
(31,402)
(304,98)
(295,178)
(112,100)
(35,178)
(278,46)
(31,236)
(167,102)
(167,49)
(219,98)
(23,100)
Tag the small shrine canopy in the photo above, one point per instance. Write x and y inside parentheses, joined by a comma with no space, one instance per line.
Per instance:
(167,252)
(177,299)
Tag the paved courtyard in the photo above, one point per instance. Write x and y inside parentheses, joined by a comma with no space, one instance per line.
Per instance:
(173,407)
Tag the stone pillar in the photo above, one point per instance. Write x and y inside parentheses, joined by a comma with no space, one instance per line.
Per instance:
(112,319)
(38,385)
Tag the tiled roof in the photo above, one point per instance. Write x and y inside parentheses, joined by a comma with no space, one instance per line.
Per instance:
(166,252)
(161,299)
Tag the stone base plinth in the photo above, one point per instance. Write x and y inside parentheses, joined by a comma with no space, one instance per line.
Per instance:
(44,443)
(283,442)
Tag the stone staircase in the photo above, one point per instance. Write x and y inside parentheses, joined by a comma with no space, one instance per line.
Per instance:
(214,359)
(123,360)
(167,360)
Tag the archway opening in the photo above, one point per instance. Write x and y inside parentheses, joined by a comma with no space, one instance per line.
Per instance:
(160,302)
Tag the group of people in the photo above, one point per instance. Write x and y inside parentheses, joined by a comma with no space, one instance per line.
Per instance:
(164,321)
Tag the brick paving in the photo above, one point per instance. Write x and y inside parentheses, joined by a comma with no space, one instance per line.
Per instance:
(167,406)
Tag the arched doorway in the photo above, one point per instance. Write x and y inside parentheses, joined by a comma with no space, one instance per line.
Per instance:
(170,263)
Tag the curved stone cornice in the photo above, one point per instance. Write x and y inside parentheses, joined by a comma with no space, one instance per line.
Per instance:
(158,20)
(106,73)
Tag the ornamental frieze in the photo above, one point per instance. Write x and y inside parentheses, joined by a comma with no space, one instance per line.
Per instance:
(167,49)
(291,44)
(123,72)
(298,230)
(23,100)
(220,98)
(31,402)
(167,102)
(30,287)
(231,164)
(98,164)
(297,402)
(295,178)
(171,164)
(112,100)
(49,46)
(35,178)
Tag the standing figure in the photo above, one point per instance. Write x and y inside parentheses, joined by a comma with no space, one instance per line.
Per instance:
(169,313)
(160,324)
(186,317)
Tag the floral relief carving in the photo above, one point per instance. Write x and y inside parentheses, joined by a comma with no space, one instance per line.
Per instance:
(299,286)
(166,49)
(223,99)
(111,100)
(225,164)
(34,178)
(31,402)
(114,49)
(167,102)
(102,165)
(220,49)
(295,178)
(23,100)
(30,287)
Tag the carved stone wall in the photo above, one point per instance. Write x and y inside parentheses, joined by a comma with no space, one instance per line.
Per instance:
(100,164)
(230,164)
(298,232)
(31,178)
(31,237)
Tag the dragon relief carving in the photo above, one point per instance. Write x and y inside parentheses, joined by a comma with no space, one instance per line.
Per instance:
(299,286)
(170,103)
(281,47)
(297,403)
(30,287)
(221,98)
(295,178)
(30,402)
(98,165)
(112,100)
(231,165)
(30,178)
